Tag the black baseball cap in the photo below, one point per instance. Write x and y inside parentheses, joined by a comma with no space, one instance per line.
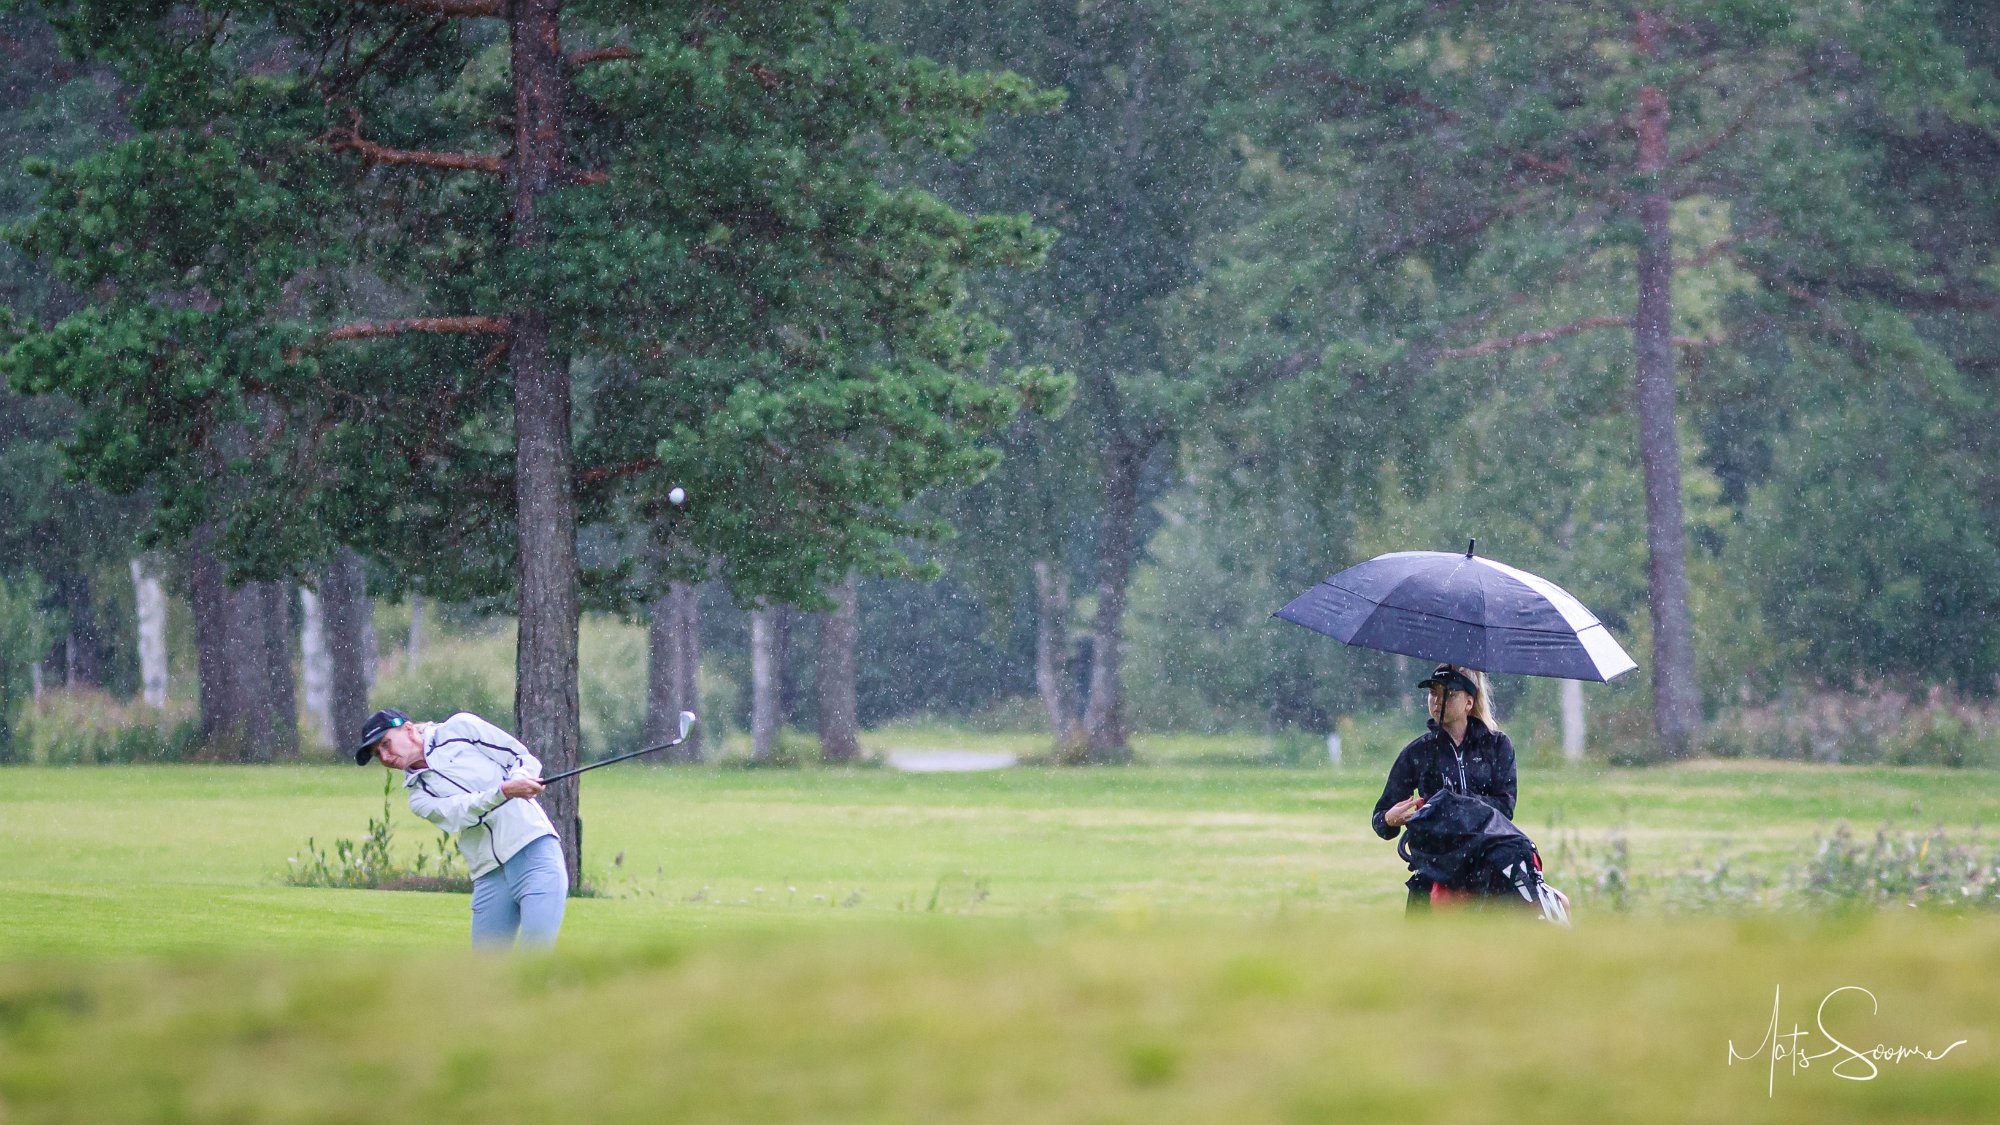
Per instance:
(1450,679)
(378,724)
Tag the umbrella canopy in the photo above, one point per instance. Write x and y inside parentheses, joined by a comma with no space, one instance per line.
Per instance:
(1462,609)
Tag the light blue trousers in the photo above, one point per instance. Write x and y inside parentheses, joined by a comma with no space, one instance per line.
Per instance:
(523,896)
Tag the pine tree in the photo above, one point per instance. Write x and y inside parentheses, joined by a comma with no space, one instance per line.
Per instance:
(468,286)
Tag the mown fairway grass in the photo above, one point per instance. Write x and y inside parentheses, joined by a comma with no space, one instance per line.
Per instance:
(1148,944)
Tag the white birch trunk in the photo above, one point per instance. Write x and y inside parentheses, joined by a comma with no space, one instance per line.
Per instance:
(316,664)
(1572,720)
(763,683)
(152,617)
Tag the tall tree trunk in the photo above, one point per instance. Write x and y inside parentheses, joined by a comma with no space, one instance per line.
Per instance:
(151,612)
(763,684)
(344,599)
(663,703)
(214,628)
(316,665)
(545,660)
(243,638)
(243,660)
(687,626)
(673,663)
(1104,716)
(687,615)
(1676,702)
(83,644)
(276,716)
(782,666)
(839,721)
(1052,680)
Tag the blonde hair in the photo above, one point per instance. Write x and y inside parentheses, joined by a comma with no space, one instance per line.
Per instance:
(1482,701)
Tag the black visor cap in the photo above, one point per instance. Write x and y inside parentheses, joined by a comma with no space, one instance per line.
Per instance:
(1450,679)
(378,724)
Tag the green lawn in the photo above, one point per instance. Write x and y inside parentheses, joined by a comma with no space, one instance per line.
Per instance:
(1147,944)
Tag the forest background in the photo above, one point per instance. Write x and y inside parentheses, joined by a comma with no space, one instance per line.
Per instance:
(1690,307)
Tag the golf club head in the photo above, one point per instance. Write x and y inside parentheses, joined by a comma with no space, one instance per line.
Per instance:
(687,723)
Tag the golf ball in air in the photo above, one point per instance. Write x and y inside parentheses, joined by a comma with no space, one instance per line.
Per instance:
(678,496)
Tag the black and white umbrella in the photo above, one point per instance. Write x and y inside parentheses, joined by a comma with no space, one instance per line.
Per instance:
(1465,610)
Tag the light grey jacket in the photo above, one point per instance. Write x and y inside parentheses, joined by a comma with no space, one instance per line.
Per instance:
(457,788)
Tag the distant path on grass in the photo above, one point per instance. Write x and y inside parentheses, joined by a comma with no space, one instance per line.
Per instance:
(948,761)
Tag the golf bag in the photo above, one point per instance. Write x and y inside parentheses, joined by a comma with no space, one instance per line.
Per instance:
(1467,845)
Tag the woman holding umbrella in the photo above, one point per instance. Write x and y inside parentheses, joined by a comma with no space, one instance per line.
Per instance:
(1464,752)
(1466,610)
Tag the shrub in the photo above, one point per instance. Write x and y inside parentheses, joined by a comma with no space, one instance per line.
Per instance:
(1894,869)
(1014,713)
(370,863)
(23,639)
(84,726)
(450,680)
(1878,725)
(1901,869)
(611,686)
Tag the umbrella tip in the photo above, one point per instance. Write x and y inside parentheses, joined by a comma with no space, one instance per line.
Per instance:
(1469,545)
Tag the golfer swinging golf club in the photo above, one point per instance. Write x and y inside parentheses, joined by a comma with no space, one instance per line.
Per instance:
(473,779)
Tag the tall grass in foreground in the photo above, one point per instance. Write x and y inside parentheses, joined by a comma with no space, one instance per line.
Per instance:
(978,1022)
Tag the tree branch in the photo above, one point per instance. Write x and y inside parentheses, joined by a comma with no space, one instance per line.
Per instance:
(602,54)
(1472,225)
(349,75)
(349,138)
(437,325)
(501,486)
(1701,341)
(1918,299)
(433,325)
(598,473)
(1695,152)
(1960,300)
(1392,94)
(1719,247)
(465,8)
(1540,336)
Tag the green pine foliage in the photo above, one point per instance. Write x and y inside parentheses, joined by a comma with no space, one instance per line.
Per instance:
(754,310)
(1426,183)
(791,277)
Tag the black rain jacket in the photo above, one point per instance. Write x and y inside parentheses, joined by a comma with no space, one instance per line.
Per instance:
(1481,766)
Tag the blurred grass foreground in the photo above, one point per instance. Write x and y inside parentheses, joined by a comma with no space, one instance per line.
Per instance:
(1099,1020)
(1200,944)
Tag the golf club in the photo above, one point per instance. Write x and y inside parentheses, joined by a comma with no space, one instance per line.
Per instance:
(687,724)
